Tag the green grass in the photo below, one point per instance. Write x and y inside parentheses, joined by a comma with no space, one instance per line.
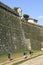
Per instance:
(4,57)
(18,54)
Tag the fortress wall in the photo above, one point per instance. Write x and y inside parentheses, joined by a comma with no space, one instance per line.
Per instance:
(15,36)
(34,33)
(10,31)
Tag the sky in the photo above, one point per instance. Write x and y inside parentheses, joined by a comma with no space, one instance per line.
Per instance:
(34,8)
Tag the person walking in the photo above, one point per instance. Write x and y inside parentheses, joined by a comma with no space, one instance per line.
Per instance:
(9,55)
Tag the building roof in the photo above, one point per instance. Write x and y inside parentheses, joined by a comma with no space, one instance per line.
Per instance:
(33,20)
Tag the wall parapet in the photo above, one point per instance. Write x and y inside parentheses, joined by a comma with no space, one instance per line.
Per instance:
(8,9)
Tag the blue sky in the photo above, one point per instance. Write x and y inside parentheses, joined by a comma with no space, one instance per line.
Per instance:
(34,8)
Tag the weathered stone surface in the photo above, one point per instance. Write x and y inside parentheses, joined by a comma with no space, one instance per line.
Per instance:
(34,33)
(10,31)
(13,33)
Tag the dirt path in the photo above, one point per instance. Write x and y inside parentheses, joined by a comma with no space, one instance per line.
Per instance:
(14,61)
(35,61)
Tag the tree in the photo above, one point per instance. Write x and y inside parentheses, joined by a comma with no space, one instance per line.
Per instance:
(15,9)
(26,16)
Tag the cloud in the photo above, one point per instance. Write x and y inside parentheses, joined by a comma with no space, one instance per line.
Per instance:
(40,17)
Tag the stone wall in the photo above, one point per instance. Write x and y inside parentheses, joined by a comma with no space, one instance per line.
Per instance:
(34,33)
(14,33)
(10,31)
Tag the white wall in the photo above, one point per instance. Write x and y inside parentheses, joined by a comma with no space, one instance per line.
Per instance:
(32,21)
(19,11)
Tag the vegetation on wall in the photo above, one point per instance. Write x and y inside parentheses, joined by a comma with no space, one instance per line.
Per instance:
(15,9)
(26,16)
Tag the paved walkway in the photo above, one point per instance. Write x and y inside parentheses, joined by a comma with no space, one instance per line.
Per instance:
(35,61)
(18,59)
